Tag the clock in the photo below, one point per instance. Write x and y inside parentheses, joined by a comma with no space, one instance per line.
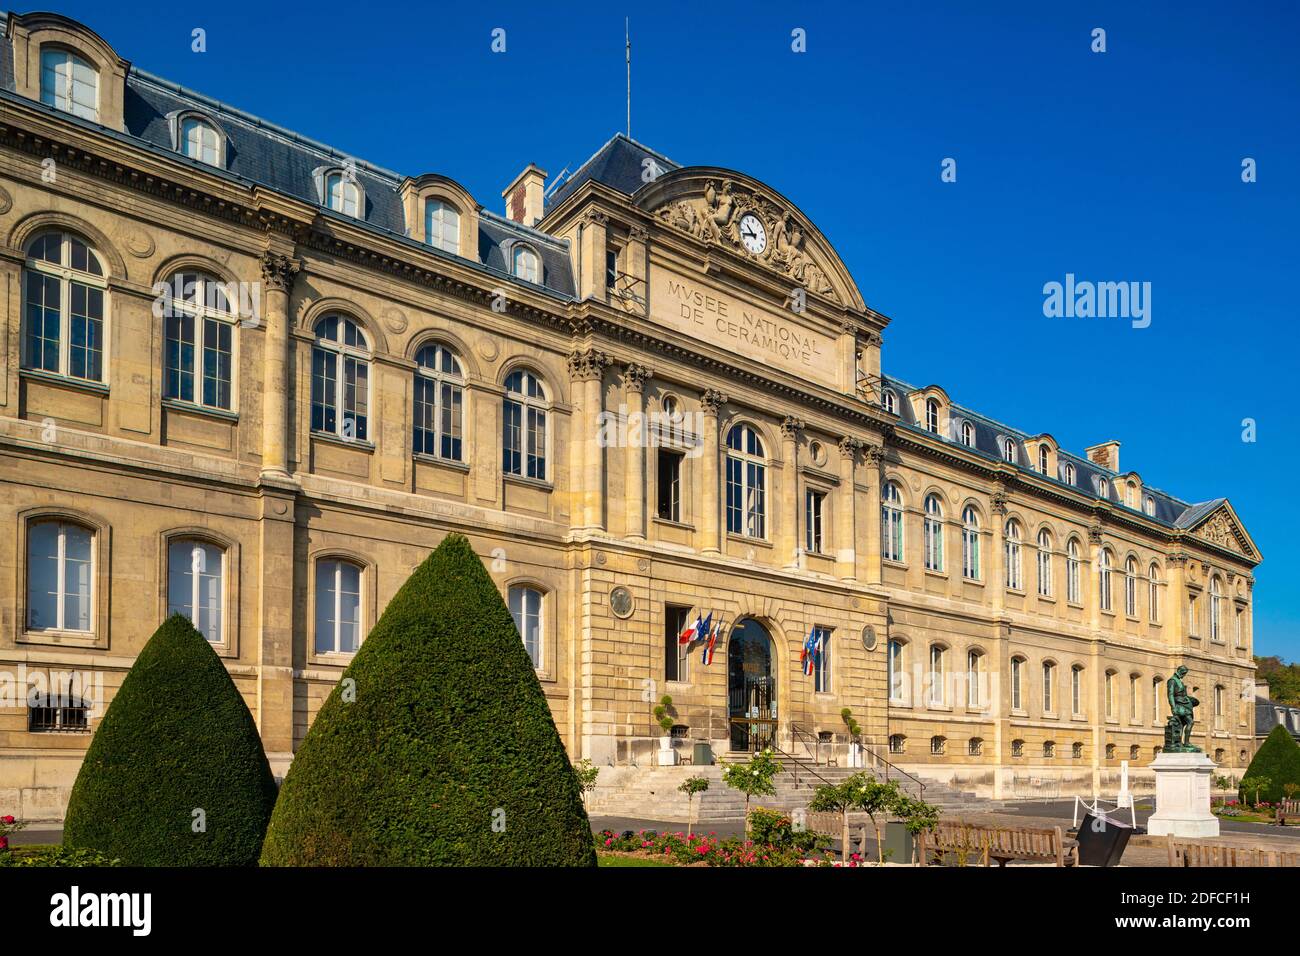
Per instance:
(752,234)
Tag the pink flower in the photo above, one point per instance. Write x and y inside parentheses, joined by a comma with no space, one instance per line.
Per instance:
(7,820)
(4,843)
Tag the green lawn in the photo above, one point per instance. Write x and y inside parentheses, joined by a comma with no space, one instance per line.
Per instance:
(613,859)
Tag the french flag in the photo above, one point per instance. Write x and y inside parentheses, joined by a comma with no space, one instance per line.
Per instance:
(811,648)
(688,636)
(707,656)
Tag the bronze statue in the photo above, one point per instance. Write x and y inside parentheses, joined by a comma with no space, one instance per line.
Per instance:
(1178,729)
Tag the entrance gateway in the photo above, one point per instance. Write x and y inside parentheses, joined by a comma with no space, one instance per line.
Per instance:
(751,687)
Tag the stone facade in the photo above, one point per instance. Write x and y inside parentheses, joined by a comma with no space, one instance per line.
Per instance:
(658,317)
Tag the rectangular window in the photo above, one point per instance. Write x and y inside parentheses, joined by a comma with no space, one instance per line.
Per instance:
(822,663)
(195,585)
(1076,691)
(611,271)
(324,380)
(896,677)
(669,485)
(676,655)
(338,607)
(59,567)
(1017,675)
(526,607)
(1049,675)
(937,697)
(1133,702)
(814,510)
(1192,625)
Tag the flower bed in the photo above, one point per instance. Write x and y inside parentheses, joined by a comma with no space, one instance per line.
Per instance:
(707,849)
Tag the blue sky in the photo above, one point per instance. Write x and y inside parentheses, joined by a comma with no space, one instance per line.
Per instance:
(1118,166)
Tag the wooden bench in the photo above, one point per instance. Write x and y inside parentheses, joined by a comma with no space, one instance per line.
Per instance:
(1287,808)
(987,843)
(1188,853)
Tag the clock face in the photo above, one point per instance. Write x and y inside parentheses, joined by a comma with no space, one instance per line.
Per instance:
(752,234)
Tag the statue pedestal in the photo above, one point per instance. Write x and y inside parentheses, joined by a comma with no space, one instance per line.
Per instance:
(1183,796)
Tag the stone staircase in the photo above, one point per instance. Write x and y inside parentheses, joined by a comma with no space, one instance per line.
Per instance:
(650,793)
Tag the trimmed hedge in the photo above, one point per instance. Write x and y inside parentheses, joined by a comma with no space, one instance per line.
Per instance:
(177,738)
(1278,758)
(437,746)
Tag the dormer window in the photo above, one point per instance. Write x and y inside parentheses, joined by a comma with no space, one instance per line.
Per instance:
(200,140)
(342,194)
(967,434)
(1149,506)
(890,401)
(1069,474)
(526,264)
(442,226)
(69,83)
(932,416)
(1009,450)
(1042,459)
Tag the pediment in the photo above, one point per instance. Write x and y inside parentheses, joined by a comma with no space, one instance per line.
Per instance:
(1222,528)
(709,203)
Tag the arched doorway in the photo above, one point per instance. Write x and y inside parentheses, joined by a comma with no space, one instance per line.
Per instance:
(751,686)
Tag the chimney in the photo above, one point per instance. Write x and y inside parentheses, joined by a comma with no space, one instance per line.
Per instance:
(1106,454)
(524,195)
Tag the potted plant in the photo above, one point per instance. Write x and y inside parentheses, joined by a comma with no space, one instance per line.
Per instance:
(667,756)
(691,786)
(855,738)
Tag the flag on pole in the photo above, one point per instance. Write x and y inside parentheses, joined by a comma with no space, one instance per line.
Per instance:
(811,648)
(688,636)
(707,656)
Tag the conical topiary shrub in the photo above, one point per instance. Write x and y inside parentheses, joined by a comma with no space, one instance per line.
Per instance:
(437,746)
(1278,759)
(175,774)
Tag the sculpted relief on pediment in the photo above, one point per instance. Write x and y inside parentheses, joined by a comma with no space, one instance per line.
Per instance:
(724,215)
(1221,530)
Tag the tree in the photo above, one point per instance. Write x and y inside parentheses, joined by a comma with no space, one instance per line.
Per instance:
(753,779)
(835,798)
(691,786)
(1278,760)
(437,746)
(1251,785)
(1283,679)
(175,774)
(876,798)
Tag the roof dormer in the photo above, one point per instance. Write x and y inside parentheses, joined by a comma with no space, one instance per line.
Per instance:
(930,406)
(441,213)
(1043,454)
(68,67)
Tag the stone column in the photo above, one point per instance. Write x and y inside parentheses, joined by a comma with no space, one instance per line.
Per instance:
(275,633)
(846,357)
(998,559)
(789,544)
(1175,612)
(634,468)
(278,273)
(591,256)
(636,295)
(710,521)
(873,456)
(587,457)
(846,518)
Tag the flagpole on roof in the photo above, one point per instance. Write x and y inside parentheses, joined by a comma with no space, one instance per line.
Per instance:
(627,36)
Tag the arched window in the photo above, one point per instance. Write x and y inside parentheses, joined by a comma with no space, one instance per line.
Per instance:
(1134,697)
(1134,752)
(974,690)
(63,320)
(967,434)
(1049,687)
(1130,587)
(1076,690)
(1130,494)
(891,522)
(340,379)
(970,544)
(200,140)
(1045,563)
(442,225)
(1218,707)
(933,533)
(937,744)
(1103,578)
(526,265)
(1017,748)
(932,416)
(1069,473)
(526,607)
(338,606)
(1015,575)
(196,585)
(198,351)
(1076,750)
(746,483)
(1042,459)
(1049,749)
(897,675)
(439,383)
(897,743)
(890,401)
(1009,450)
(1110,751)
(1155,699)
(60,576)
(523,438)
(1110,695)
(1149,506)
(1073,588)
(938,680)
(1216,602)
(69,83)
(1153,583)
(1103,487)
(1017,683)
(342,194)
(974,747)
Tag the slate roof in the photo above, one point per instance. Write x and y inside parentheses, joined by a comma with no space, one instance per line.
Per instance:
(619,164)
(1270,713)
